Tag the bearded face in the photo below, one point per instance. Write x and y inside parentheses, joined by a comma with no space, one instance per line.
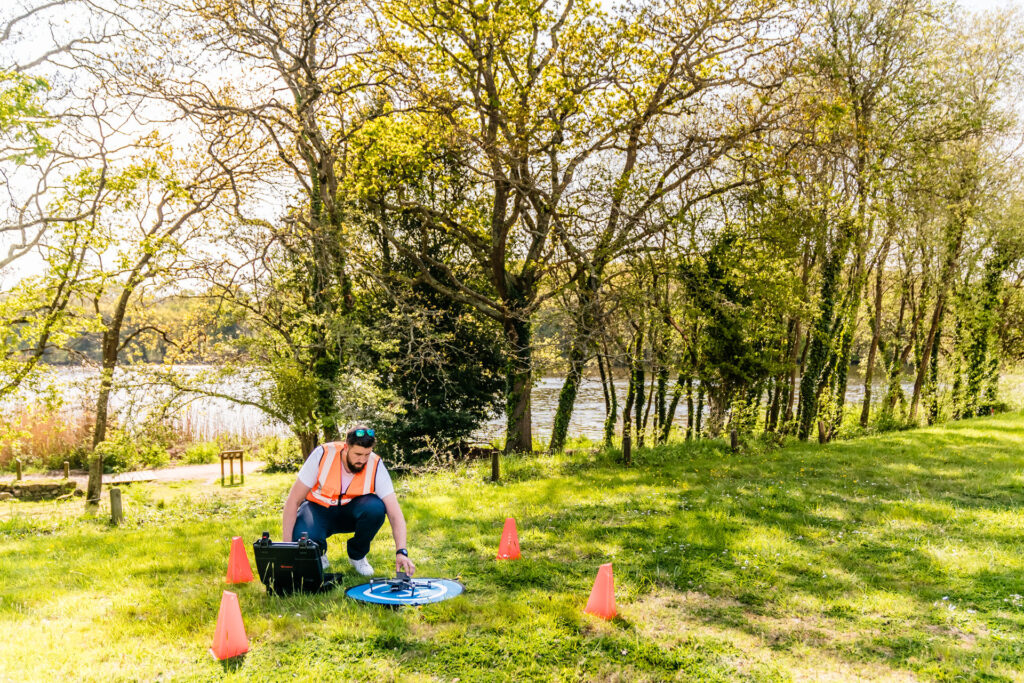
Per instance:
(356,458)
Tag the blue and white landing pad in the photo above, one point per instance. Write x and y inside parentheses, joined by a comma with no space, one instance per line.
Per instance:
(403,590)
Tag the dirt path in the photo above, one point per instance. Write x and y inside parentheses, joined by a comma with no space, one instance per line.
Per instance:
(208,473)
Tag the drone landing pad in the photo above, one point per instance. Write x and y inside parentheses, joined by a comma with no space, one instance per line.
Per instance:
(409,592)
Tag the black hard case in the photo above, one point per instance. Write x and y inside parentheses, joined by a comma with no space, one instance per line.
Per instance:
(286,568)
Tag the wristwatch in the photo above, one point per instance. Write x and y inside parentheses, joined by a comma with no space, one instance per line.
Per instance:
(402,551)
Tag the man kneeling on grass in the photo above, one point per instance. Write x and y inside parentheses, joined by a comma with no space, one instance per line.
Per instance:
(344,488)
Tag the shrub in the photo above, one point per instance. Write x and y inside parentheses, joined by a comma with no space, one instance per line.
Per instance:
(281,454)
(890,422)
(201,453)
(992,408)
(123,452)
(445,364)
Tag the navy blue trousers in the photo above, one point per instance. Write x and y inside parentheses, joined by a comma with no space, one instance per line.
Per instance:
(362,517)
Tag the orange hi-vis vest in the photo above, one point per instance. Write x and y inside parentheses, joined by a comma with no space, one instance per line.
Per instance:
(327,491)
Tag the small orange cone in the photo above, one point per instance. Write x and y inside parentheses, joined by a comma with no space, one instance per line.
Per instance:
(239,569)
(509,548)
(602,596)
(229,640)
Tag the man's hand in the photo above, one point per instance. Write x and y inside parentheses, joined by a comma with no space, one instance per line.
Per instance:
(404,564)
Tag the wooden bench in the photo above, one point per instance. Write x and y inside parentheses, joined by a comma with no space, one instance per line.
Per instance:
(231,456)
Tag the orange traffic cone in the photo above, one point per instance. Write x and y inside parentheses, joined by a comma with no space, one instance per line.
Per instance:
(239,569)
(602,596)
(229,640)
(509,548)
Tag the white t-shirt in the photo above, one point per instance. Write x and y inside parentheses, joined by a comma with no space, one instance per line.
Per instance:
(382,485)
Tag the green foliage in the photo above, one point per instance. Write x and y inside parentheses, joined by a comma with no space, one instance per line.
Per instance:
(446,364)
(281,455)
(124,451)
(201,453)
(737,294)
(23,117)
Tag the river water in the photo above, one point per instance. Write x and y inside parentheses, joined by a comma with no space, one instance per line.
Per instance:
(206,418)
(589,413)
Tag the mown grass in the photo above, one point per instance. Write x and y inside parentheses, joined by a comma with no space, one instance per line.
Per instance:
(892,557)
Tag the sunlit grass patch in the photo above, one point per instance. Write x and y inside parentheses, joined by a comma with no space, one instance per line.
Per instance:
(895,557)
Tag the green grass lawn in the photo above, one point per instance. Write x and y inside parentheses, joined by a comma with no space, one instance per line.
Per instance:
(896,557)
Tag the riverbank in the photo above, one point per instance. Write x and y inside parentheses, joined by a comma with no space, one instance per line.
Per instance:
(891,557)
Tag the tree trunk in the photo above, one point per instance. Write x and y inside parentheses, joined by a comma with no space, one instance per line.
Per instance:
(670,414)
(876,329)
(980,368)
(894,364)
(638,387)
(698,427)
(858,281)
(611,401)
(805,349)
(99,433)
(647,414)
(627,412)
(519,384)
(926,352)
(689,408)
(819,341)
(567,397)
(954,244)
(798,348)
(719,399)
(661,397)
(932,386)
(797,358)
(308,441)
(111,339)
(956,394)
(327,369)
(775,405)
(329,270)
(579,353)
(843,366)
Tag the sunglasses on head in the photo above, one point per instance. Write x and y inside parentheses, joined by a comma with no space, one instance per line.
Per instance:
(364,432)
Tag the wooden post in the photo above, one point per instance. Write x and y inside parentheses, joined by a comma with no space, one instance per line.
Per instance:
(116,514)
(17,469)
(627,448)
(221,469)
(495,465)
(67,470)
(822,437)
(734,440)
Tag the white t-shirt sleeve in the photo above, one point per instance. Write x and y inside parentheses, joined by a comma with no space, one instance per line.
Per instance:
(382,485)
(307,475)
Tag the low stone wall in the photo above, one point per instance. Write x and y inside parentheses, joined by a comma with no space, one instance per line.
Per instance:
(38,490)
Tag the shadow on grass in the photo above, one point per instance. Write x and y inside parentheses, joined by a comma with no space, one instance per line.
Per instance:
(233,664)
(846,520)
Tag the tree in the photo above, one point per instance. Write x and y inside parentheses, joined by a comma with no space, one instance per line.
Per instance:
(704,82)
(49,135)
(541,98)
(987,69)
(871,62)
(147,215)
(289,79)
